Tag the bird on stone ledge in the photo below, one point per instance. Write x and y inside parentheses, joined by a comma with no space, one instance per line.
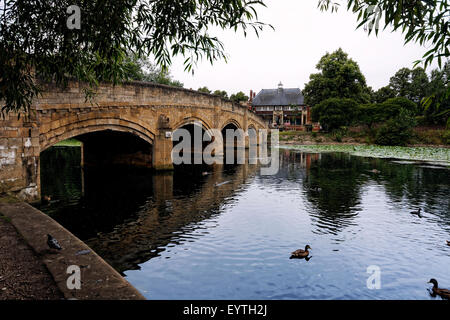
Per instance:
(53,243)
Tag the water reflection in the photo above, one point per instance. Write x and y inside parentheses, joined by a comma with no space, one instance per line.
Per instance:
(226,232)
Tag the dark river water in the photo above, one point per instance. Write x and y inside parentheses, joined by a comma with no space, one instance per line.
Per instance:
(188,235)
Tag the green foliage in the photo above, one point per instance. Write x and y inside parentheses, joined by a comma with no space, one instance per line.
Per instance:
(437,105)
(238,97)
(34,39)
(339,77)
(204,90)
(411,84)
(144,70)
(392,107)
(334,113)
(396,131)
(382,94)
(369,114)
(338,135)
(446,137)
(420,21)
(221,93)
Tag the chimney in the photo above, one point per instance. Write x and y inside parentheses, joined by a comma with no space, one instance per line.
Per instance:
(251,96)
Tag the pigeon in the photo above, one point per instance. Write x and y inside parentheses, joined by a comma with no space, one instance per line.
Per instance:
(53,243)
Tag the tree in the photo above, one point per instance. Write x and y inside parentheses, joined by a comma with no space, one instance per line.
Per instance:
(35,40)
(419,21)
(437,110)
(221,93)
(339,77)
(425,22)
(238,97)
(204,90)
(369,114)
(144,70)
(411,84)
(383,94)
(391,108)
(334,113)
(396,131)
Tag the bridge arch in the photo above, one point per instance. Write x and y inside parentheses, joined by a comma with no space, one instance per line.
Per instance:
(231,122)
(192,120)
(71,130)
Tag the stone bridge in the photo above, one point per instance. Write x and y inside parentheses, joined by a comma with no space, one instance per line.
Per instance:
(129,124)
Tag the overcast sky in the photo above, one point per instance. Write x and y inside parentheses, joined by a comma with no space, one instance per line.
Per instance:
(303,34)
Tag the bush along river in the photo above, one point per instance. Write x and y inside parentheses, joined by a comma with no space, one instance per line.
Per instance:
(226,232)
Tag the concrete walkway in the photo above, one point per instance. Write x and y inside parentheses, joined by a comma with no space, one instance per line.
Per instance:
(99,281)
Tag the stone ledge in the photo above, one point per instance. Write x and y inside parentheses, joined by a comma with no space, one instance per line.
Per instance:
(99,281)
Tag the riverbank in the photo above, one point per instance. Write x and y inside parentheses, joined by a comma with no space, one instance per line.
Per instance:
(421,137)
(99,281)
(436,155)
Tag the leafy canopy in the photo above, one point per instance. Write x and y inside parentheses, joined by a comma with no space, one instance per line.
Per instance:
(339,77)
(239,97)
(425,21)
(35,40)
(204,90)
(334,113)
(142,69)
(411,84)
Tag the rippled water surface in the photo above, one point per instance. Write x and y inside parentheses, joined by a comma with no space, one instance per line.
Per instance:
(188,235)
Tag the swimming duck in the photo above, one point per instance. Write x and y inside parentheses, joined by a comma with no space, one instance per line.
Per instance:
(443,293)
(417,212)
(300,253)
(448,243)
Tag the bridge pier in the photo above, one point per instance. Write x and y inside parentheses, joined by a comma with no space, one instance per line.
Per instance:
(162,146)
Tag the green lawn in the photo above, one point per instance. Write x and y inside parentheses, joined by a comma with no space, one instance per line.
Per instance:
(68,143)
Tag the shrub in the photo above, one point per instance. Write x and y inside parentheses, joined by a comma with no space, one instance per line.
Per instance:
(334,113)
(314,135)
(391,107)
(338,136)
(396,131)
(446,137)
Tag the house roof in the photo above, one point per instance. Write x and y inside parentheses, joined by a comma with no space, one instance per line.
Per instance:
(279,97)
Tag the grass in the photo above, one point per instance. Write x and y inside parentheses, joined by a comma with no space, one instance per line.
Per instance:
(441,155)
(68,143)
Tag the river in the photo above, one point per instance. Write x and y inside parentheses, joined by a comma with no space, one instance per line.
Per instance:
(226,232)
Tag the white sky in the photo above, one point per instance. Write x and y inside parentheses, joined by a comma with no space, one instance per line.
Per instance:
(303,34)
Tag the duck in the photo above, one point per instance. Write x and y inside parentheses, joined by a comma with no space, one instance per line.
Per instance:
(443,293)
(448,243)
(417,212)
(300,253)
